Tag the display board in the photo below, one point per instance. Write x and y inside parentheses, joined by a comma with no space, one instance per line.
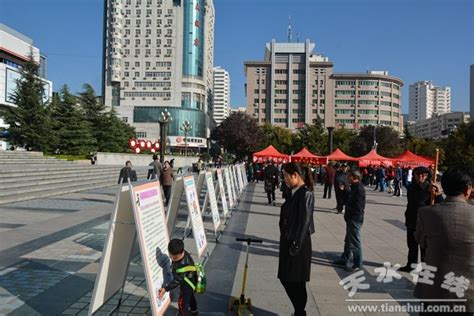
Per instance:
(211,192)
(220,181)
(138,211)
(229,187)
(195,215)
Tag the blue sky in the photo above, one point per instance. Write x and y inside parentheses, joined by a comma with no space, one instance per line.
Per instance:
(412,39)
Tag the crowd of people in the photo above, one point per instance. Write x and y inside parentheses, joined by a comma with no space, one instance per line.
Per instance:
(439,221)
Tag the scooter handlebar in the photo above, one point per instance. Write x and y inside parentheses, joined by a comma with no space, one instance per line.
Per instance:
(249,240)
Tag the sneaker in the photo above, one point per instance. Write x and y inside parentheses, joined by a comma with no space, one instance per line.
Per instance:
(273,203)
(354,268)
(340,262)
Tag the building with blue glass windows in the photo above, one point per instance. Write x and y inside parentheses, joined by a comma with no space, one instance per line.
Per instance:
(158,54)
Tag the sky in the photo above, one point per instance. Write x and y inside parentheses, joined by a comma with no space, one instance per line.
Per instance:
(411,39)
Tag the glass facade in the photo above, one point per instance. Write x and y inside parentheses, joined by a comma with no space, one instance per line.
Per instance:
(151,114)
(193,37)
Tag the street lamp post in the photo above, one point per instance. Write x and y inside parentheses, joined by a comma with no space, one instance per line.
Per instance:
(375,141)
(164,120)
(330,138)
(186,127)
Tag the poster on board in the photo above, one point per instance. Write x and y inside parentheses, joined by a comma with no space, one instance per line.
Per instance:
(233,181)
(153,238)
(195,215)
(220,181)
(216,220)
(229,187)
(238,171)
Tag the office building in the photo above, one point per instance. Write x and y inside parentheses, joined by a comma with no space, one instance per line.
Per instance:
(438,126)
(294,86)
(427,100)
(221,90)
(158,54)
(15,49)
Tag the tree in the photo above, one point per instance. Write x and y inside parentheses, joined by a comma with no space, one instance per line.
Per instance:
(280,137)
(114,134)
(342,139)
(239,134)
(312,137)
(111,133)
(459,147)
(28,121)
(71,128)
(388,141)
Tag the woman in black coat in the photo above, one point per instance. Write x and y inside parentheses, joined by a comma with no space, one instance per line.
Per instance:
(296,227)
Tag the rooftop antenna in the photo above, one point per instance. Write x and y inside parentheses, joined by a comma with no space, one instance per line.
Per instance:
(289,29)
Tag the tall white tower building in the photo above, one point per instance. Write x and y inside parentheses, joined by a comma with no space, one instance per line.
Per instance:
(427,100)
(158,54)
(221,94)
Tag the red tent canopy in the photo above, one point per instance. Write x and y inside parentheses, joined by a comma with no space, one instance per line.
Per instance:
(270,153)
(340,155)
(409,159)
(372,158)
(304,155)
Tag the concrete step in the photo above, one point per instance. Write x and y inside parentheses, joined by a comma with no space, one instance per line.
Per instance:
(36,161)
(39,176)
(30,169)
(18,175)
(21,153)
(5,157)
(53,184)
(50,179)
(52,192)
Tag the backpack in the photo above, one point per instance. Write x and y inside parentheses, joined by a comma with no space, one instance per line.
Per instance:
(200,286)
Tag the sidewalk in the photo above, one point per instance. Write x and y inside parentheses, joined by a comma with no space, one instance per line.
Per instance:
(49,263)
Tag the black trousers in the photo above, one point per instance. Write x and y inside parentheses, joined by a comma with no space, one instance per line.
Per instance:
(296,291)
(327,190)
(167,191)
(271,196)
(187,305)
(413,248)
(340,199)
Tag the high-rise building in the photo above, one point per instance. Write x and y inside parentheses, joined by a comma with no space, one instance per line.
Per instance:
(438,126)
(293,86)
(471,91)
(158,54)
(15,49)
(221,94)
(426,100)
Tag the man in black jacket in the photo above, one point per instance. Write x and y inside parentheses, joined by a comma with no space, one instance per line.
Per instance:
(418,195)
(354,217)
(340,181)
(127,172)
(270,181)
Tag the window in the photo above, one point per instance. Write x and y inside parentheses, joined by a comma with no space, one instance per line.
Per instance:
(345,92)
(280,120)
(137,74)
(368,92)
(351,101)
(344,111)
(368,112)
(137,32)
(386,84)
(368,122)
(299,71)
(127,32)
(345,82)
(385,113)
(137,52)
(148,12)
(147,94)
(148,32)
(281,82)
(386,103)
(127,22)
(169,31)
(385,94)
(157,74)
(299,82)
(126,64)
(147,64)
(169,41)
(368,83)
(125,119)
(344,121)
(281,71)
(127,42)
(141,134)
(152,84)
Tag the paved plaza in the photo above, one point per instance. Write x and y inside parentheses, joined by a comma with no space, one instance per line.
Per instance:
(50,251)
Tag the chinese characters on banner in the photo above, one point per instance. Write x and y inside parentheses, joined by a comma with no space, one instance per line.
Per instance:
(195,214)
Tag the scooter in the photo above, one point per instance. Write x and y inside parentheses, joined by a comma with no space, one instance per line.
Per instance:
(242,305)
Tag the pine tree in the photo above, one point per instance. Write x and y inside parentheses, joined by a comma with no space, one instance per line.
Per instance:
(28,121)
(73,131)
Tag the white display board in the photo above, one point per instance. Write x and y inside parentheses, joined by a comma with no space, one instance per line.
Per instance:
(233,181)
(220,181)
(195,215)
(229,187)
(238,171)
(137,211)
(153,239)
(213,201)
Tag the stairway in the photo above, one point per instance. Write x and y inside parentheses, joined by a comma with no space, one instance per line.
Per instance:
(29,175)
